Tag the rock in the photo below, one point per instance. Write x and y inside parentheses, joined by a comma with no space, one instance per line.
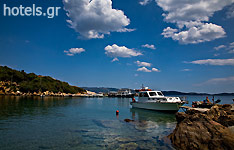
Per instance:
(227,120)
(204,130)
(180,116)
(128,146)
(231,128)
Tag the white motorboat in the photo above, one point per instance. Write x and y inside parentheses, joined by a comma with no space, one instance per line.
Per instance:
(155,100)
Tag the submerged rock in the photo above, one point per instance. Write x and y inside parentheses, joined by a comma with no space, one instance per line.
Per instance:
(209,130)
(128,146)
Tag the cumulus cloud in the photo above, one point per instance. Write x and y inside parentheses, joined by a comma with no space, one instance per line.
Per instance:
(144,69)
(216,62)
(196,34)
(143,64)
(93,19)
(144,2)
(155,70)
(73,51)
(191,10)
(120,51)
(190,16)
(149,46)
(115,59)
(219,47)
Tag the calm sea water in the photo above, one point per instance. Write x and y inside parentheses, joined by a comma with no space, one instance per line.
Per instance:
(36,123)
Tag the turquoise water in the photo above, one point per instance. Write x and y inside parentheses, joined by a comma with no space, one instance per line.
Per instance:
(82,123)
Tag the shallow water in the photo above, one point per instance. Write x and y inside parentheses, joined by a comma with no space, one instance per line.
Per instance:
(82,123)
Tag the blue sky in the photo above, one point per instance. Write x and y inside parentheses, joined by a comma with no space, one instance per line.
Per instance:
(167,45)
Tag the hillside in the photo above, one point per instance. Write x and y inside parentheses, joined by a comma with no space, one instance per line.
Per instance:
(14,80)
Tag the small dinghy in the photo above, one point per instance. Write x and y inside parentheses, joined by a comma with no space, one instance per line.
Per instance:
(205,103)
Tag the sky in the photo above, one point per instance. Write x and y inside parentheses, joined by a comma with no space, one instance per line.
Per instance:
(182,45)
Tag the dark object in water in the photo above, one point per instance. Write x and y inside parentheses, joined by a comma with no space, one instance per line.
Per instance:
(128,120)
(217,101)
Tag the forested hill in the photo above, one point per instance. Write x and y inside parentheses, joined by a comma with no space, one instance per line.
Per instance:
(30,82)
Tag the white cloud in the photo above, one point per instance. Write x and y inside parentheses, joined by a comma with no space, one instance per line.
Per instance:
(73,51)
(93,19)
(217,62)
(144,2)
(230,12)
(216,54)
(231,51)
(144,69)
(126,30)
(221,79)
(115,59)
(189,15)
(149,46)
(155,70)
(191,10)
(219,47)
(218,81)
(186,70)
(197,34)
(120,51)
(145,64)
(231,45)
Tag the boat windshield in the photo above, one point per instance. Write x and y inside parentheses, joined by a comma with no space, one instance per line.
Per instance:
(143,94)
(152,93)
(160,93)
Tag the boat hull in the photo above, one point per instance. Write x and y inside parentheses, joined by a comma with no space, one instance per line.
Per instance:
(169,107)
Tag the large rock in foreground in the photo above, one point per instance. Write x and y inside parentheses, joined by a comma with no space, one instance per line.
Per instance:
(203,131)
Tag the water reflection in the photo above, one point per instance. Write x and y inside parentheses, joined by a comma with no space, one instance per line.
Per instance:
(18,105)
(123,102)
(150,115)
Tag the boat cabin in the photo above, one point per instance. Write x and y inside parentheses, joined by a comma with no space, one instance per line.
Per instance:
(151,96)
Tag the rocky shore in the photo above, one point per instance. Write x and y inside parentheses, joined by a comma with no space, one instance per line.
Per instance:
(211,130)
(12,88)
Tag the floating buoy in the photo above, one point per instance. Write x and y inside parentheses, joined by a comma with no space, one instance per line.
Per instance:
(117,112)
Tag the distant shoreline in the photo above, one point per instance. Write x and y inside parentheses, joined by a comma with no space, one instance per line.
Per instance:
(107,89)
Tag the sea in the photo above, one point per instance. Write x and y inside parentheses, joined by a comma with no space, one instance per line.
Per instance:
(76,123)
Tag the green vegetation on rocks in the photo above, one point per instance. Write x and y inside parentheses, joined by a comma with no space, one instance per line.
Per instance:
(30,82)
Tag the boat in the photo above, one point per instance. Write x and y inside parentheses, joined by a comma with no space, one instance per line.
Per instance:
(125,93)
(205,103)
(155,100)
